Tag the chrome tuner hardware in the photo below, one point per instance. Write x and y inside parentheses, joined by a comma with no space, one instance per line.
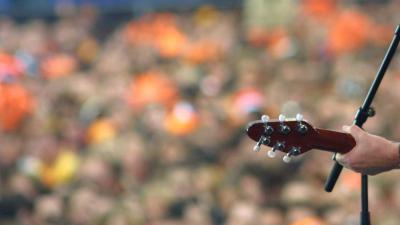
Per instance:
(287,158)
(271,153)
(257,147)
(299,117)
(293,152)
(265,118)
(284,129)
(268,130)
(263,140)
(278,146)
(301,128)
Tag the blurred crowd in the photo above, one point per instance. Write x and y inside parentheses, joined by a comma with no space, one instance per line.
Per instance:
(142,120)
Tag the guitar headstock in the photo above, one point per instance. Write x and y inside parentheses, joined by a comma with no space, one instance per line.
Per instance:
(292,136)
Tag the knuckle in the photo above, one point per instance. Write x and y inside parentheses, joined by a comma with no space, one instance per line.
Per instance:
(350,162)
(356,131)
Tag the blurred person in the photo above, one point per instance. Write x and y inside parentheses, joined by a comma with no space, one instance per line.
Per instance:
(299,215)
(251,188)
(88,206)
(49,210)
(197,215)
(14,206)
(309,221)
(371,155)
(101,173)
(272,216)
(243,213)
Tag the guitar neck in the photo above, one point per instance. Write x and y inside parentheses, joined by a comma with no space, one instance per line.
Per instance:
(333,141)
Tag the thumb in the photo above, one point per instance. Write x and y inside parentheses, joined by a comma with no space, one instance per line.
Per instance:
(354,130)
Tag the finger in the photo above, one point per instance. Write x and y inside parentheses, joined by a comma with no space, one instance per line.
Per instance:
(356,131)
(353,130)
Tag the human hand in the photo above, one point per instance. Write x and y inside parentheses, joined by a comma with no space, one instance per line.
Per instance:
(371,155)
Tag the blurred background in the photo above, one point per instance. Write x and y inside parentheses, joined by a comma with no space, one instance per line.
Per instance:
(134,112)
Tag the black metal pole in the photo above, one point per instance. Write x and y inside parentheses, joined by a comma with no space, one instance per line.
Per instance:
(363,113)
(364,214)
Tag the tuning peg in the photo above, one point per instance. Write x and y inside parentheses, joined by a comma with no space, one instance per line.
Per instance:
(287,158)
(281,118)
(299,117)
(265,118)
(268,130)
(278,146)
(257,146)
(293,152)
(301,128)
(285,129)
(271,153)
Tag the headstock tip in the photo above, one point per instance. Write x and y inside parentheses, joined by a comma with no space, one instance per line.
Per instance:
(299,134)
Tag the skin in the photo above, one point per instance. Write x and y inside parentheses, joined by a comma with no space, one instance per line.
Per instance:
(371,155)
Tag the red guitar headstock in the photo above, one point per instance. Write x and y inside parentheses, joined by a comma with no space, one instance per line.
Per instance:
(293,136)
(296,137)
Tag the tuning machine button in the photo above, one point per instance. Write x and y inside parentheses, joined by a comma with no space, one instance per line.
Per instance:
(278,146)
(293,152)
(271,153)
(257,147)
(281,118)
(299,117)
(263,140)
(287,158)
(265,118)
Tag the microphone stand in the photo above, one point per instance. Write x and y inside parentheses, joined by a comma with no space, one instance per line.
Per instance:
(361,117)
